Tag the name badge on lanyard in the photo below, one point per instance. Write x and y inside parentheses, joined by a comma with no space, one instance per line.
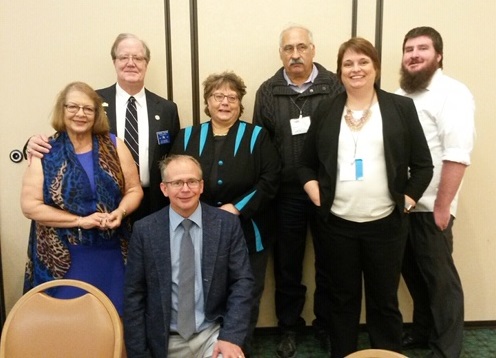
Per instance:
(300,125)
(351,171)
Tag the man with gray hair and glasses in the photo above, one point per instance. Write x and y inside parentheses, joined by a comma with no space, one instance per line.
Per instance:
(284,106)
(188,277)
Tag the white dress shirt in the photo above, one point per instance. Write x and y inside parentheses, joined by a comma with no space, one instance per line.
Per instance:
(121,99)
(446,111)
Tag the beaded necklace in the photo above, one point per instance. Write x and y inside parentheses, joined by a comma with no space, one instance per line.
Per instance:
(356,124)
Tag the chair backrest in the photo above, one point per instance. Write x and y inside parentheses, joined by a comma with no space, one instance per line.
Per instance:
(43,326)
(375,353)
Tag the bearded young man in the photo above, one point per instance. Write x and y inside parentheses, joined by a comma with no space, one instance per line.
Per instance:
(446,112)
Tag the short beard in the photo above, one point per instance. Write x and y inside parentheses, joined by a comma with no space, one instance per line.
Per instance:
(412,82)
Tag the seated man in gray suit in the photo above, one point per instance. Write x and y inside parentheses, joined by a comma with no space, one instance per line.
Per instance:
(221,279)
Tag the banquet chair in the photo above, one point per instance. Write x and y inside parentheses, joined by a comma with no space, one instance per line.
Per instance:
(375,353)
(43,326)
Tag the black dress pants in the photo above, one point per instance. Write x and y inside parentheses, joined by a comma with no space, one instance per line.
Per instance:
(368,254)
(295,213)
(434,284)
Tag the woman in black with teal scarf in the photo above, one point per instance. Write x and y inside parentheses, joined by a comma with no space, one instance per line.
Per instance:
(240,167)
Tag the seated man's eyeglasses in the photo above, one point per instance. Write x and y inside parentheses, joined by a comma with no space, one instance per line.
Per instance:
(179,184)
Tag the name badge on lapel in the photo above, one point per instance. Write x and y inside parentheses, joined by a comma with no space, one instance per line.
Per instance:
(163,137)
(105,106)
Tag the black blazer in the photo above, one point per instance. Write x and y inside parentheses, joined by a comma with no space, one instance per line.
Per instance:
(162,116)
(408,159)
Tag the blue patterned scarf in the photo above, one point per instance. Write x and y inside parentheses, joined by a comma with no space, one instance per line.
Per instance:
(66,186)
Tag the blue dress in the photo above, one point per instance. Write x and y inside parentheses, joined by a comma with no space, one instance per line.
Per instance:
(81,184)
(102,266)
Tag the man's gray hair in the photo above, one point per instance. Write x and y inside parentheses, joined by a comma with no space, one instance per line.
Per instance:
(295,26)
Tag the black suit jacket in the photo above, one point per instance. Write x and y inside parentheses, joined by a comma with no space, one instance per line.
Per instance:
(226,275)
(408,159)
(162,116)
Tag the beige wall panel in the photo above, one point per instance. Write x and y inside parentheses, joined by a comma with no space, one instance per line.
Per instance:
(366,13)
(181,60)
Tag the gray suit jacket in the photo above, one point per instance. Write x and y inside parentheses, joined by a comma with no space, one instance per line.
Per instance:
(227,281)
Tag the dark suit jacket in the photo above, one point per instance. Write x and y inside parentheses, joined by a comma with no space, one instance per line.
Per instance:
(408,159)
(227,281)
(168,121)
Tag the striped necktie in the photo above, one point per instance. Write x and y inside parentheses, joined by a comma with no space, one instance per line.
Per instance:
(131,129)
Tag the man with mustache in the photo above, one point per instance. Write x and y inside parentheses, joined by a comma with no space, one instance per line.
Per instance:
(284,105)
(446,111)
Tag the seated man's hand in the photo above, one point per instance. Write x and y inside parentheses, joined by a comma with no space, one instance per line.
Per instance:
(227,350)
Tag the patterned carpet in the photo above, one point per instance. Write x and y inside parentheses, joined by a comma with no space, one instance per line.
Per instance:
(477,343)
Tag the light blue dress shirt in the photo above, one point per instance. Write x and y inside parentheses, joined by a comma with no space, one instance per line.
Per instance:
(176,234)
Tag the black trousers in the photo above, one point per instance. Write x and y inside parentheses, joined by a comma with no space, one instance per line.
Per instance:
(144,207)
(295,214)
(258,262)
(434,284)
(368,254)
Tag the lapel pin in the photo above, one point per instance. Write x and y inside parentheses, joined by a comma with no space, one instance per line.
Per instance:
(157,117)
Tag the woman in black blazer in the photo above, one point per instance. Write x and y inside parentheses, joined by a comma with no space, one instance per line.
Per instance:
(365,163)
